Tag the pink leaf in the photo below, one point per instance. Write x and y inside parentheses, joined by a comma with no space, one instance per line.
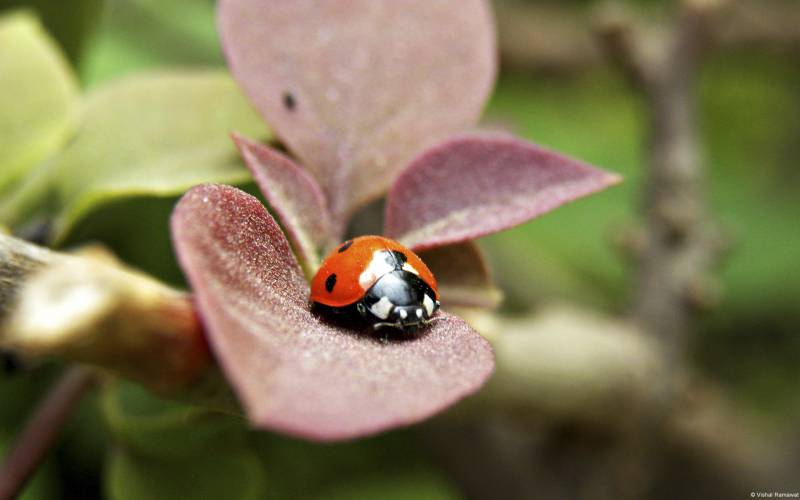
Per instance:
(293,372)
(294,196)
(355,88)
(462,275)
(478,184)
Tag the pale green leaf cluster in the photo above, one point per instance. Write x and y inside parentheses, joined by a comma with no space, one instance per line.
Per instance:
(157,134)
(164,450)
(38,97)
(63,155)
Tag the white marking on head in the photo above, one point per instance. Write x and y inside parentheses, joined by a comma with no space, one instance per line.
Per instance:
(403,314)
(428,303)
(419,313)
(382,308)
(377,267)
(408,267)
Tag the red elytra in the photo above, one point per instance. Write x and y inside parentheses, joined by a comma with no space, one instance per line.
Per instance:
(349,271)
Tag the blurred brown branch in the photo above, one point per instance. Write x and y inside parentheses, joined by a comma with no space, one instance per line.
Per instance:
(91,309)
(762,23)
(560,37)
(18,259)
(575,410)
(42,430)
(682,242)
(545,37)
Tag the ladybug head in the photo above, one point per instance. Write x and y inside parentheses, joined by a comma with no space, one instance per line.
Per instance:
(400,299)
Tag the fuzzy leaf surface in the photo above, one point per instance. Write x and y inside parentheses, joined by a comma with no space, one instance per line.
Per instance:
(294,196)
(478,184)
(293,371)
(356,88)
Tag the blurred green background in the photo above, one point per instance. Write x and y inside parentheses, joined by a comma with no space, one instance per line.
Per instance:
(750,343)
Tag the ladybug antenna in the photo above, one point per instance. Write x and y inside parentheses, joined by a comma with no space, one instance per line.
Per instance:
(431,320)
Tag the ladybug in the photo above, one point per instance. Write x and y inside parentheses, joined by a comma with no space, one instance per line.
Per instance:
(379,280)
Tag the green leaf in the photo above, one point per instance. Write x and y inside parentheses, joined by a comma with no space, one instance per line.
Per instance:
(411,485)
(73,29)
(146,34)
(168,449)
(236,475)
(38,97)
(165,429)
(306,470)
(150,135)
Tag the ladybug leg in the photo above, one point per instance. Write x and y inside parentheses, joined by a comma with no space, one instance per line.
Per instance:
(362,309)
(384,327)
(378,326)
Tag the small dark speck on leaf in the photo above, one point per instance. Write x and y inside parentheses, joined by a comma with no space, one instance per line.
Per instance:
(289,101)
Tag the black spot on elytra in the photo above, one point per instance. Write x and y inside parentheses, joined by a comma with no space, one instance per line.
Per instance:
(347,244)
(330,282)
(289,101)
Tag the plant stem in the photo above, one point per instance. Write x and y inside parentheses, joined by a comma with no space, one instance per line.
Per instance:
(554,36)
(42,429)
(89,308)
(18,259)
(681,241)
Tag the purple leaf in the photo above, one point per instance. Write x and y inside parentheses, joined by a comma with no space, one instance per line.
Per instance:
(478,184)
(294,196)
(355,88)
(462,275)
(293,372)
